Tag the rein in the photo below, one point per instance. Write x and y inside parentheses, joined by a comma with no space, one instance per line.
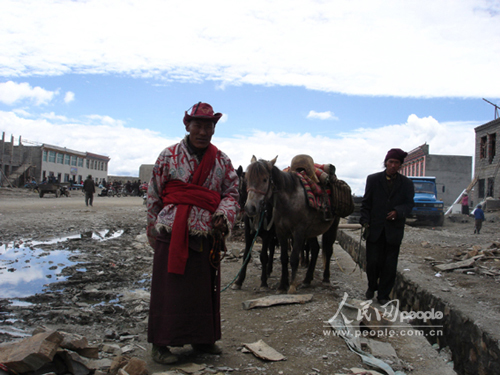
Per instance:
(245,262)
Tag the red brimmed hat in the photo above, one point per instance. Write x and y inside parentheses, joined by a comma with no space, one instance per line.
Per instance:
(201,111)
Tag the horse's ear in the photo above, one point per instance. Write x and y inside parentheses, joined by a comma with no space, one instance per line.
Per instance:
(254,159)
(274,161)
(239,171)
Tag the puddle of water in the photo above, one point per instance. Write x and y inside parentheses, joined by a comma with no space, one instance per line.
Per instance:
(14,332)
(25,271)
(102,235)
(16,302)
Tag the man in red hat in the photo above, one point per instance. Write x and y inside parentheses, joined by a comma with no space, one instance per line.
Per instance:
(387,201)
(192,204)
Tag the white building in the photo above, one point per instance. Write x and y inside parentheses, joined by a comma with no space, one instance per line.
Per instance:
(23,162)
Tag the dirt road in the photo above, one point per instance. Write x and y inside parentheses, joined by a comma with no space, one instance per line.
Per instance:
(101,290)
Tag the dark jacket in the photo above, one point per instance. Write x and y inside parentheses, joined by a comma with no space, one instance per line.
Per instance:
(377,203)
(88,186)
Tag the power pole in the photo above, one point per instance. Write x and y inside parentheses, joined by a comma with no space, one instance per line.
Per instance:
(494,105)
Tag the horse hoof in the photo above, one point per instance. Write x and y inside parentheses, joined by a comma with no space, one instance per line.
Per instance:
(263,289)
(306,285)
(292,290)
(281,291)
(236,287)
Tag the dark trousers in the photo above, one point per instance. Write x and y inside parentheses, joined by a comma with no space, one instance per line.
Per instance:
(89,198)
(381,266)
(478,225)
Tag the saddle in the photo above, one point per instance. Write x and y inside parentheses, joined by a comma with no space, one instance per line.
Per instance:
(324,191)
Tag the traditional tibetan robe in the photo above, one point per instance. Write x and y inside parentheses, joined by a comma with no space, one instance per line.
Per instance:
(186,190)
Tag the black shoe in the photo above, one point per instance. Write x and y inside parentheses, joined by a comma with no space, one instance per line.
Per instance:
(207,348)
(370,294)
(383,301)
(163,355)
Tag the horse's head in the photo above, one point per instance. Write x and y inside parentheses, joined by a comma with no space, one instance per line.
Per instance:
(242,186)
(258,179)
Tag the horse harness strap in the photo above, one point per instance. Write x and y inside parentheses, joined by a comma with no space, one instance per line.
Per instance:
(271,222)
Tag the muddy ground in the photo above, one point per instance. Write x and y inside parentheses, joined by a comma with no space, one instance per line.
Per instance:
(104,294)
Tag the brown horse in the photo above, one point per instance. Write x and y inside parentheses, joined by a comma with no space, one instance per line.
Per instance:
(293,218)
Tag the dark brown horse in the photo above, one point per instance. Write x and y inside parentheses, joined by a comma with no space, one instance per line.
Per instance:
(293,218)
(265,229)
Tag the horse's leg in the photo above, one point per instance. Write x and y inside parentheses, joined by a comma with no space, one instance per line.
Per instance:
(264,259)
(272,248)
(328,241)
(284,265)
(248,243)
(298,245)
(304,255)
(314,247)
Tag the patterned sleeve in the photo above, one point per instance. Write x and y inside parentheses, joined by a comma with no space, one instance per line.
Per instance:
(228,207)
(154,201)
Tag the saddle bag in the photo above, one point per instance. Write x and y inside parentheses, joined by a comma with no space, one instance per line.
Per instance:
(341,198)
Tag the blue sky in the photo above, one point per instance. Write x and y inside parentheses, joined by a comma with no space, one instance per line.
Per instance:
(343,81)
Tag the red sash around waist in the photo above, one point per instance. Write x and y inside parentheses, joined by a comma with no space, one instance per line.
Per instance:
(185,196)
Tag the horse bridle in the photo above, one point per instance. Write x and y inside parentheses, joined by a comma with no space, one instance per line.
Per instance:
(270,188)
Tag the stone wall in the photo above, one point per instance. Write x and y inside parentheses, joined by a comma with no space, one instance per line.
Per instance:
(474,351)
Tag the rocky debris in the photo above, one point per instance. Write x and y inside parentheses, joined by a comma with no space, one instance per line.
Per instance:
(49,351)
(474,260)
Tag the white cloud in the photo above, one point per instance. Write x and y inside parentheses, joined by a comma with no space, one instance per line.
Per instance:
(369,47)
(69,97)
(53,116)
(328,115)
(12,93)
(355,154)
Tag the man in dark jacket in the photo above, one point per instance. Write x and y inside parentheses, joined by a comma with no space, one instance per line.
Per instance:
(388,200)
(89,189)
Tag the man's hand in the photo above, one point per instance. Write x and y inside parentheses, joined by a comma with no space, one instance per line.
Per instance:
(392,215)
(219,225)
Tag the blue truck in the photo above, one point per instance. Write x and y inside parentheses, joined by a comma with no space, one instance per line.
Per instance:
(427,206)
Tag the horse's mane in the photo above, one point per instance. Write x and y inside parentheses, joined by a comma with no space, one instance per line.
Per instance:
(283,181)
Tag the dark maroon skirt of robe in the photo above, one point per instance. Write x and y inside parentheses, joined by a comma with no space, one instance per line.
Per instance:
(184,309)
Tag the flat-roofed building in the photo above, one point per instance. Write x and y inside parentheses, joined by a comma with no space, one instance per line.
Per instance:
(453,172)
(23,162)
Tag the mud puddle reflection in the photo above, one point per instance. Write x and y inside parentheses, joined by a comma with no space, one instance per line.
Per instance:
(27,268)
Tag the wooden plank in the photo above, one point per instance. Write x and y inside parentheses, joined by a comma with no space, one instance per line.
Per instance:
(462,264)
(279,299)
(261,350)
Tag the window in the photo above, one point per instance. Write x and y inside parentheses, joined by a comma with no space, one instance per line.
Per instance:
(66,177)
(52,156)
(66,159)
(492,145)
(88,161)
(60,158)
(480,192)
(44,155)
(491,185)
(482,147)
(80,162)
(73,160)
